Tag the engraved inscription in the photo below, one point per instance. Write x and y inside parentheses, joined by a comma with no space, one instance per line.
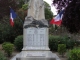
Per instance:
(35,37)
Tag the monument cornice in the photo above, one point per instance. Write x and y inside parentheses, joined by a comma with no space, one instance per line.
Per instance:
(35,23)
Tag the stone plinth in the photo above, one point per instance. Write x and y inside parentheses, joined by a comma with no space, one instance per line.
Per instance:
(35,39)
(35,45)
(36,55)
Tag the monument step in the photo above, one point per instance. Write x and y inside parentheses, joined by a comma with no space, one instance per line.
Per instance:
(36,55)
(36,58)
(36,48)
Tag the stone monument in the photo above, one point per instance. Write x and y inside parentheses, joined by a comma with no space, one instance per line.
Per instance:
(35,35)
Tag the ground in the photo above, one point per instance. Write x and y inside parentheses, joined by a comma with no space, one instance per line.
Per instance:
(62,58)
(15,52)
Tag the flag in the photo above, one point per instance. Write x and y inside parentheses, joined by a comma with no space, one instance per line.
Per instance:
(58,19)
(12,16)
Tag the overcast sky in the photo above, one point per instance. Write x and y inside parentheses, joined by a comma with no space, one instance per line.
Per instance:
(52,7)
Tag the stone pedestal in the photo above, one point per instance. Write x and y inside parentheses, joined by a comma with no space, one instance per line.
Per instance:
(35,45)
(37,55)
(35,41)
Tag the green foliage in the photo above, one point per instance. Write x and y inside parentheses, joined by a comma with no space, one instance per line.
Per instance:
(46,5)
(25,7)
(74,54)
(61,49)
(22,14)
(8,48)
(21,3)
(6,30)
(5,44)
(48,12)
(8,33)
(18,27)
(55,40)
(2,57)
(70,43)
(18,42)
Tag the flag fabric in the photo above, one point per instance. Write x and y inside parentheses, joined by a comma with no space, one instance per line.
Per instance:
(58,19)
(12,16)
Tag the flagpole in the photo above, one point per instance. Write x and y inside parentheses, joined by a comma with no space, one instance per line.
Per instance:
(20,19)
(54,26)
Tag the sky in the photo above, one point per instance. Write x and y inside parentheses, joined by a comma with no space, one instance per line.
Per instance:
(52,7)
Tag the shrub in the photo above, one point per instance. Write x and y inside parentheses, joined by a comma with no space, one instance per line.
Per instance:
(74,54)
(54,41)
(4,44)
(2,57)
(8,48)
(7,33)
(18,42)
(61,49)
(69,41)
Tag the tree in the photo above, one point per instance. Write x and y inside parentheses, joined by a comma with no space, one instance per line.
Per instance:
(48,12)
(9,33)
(61,3)
(71,16)
(20,3)
(4,7)
(22,12)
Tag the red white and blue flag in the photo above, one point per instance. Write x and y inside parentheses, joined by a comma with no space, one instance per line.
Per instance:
(12,16)
(58,19)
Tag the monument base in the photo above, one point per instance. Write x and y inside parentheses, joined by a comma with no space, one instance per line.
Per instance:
(36,55)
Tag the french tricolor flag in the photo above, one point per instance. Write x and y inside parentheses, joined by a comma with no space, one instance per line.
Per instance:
(58,19)
(12,16)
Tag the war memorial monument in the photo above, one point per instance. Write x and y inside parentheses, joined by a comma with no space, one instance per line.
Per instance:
(35,35)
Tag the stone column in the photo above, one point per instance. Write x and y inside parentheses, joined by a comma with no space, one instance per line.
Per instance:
(36,9)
